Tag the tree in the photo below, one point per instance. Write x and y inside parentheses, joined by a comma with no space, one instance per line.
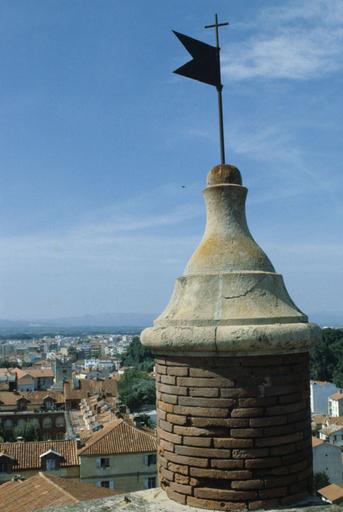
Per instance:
(326,357)
(28,432)
(136,389)
(138,356)
(320,480)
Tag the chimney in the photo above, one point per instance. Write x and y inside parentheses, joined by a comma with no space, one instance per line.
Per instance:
(234,423)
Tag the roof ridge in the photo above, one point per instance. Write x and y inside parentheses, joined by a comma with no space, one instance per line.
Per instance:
(102,433)
(46,477)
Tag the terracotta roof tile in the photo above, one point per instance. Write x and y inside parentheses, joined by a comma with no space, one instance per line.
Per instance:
(332,492)
(337,396)
(317,442)
(332,429)
(27,454)
(44,490)
(119,437)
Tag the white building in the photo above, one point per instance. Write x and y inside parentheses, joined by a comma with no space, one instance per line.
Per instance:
(332,434)
(327,459)
(320,393)
(336,404)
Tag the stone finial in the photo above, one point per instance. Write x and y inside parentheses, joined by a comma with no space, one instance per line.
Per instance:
(224,173)
(229,300)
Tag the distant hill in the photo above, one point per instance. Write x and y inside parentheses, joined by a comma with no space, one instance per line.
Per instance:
(79,324)
(118,322)
(328,318)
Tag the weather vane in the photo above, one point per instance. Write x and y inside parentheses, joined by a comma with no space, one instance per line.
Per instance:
(205,67)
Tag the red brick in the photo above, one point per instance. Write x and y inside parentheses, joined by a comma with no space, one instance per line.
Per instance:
(294,499)
(159,360)
(169,399)
(304,414)
(167,436)
(223,494)
(166,445)
(277,492)
(282,391)
(256,402)
(168,379)
(202,372)
(161,415)
(186,461)
(172,390)
(208,422)
(252,453)
(268,421)
(174,419)
(176,361)
(297,457)
(202,452)
(285,409)
(289,399)
(180,488)
(181,479)
(227,464)
(178,371)
(246,412)
(175,496)
(214,505)
(283,450)
(237,422)
(165,425)
(177,468)
(261,361)
(246,432)
(210,412)
(279,430)
(280,481)
(165,407)
(246,485)
(237,392)
(267,462)
(206,402)
(222,442)
(192,431)
(302,486)
(169,475)
(205,392)
(219,474)
(263,504)
(279,440)
(195,382)
(161,369)
(197,441)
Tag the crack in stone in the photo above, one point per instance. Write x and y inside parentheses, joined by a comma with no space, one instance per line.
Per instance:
(248,291)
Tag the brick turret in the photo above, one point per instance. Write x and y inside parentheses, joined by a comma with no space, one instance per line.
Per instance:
(232,371)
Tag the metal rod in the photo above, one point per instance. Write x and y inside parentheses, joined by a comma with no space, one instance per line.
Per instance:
(221,126)
(220,99)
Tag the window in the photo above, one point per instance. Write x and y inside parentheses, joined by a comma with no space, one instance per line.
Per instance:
(50,464)
(149,482)
(103,463)
(150,460)
(3,467)
(105,483)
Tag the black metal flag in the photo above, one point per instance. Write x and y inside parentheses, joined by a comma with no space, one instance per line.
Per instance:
(205,65)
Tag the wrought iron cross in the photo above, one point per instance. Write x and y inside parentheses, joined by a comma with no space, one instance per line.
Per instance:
(216,25)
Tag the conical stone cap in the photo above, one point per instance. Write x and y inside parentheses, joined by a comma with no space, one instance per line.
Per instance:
(230,300)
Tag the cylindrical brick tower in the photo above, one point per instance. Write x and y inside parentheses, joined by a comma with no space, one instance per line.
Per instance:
(232,371)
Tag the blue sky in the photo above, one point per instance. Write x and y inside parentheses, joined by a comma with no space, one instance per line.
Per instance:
(98,138)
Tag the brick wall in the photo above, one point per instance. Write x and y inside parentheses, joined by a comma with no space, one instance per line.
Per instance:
(235,433)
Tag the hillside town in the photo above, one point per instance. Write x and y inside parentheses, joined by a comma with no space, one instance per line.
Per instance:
(62,422)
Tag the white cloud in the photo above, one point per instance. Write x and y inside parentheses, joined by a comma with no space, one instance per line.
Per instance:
(299,41)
